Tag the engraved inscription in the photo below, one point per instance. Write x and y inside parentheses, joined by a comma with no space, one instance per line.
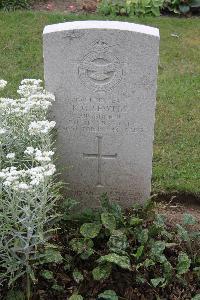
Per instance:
(100,116)
(100,70)
(100,156)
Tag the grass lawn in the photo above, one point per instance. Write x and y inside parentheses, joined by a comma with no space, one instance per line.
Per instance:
(176,163)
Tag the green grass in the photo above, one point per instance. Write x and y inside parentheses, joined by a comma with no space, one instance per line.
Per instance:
(176,165)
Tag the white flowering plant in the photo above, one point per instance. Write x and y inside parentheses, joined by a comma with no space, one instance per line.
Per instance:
(28,192)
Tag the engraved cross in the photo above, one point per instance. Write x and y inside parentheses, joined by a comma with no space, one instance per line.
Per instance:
(100,156)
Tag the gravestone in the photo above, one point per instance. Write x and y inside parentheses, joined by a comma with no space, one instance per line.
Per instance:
(103,74)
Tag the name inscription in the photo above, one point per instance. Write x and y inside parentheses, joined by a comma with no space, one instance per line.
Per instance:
(99,116)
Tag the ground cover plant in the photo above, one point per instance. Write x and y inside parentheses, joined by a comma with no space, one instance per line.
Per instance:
(148,7)
(8,5)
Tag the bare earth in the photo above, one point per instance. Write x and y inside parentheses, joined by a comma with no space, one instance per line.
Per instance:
(174,212)
(66,6)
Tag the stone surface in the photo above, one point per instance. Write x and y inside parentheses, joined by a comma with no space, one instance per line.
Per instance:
(103,75)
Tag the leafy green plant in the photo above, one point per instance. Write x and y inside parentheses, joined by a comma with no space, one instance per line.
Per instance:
(181,6)
(108,295)
(14,4)
(145,7)
(134,7)
(184,263)
(138,242)
(114,7)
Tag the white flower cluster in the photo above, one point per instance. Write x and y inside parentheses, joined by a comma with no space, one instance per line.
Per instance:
(29,87)
(33,97)
(39,101)
(2,131)
(9,106)
(10,155)
(3,83)
(40,156)
(40,127)
(20,180)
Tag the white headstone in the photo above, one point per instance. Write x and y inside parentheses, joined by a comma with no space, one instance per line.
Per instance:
(103,74)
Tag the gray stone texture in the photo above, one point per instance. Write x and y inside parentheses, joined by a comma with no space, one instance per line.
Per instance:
(103,74)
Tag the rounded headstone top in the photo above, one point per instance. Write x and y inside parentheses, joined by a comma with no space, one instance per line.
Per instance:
(113,25)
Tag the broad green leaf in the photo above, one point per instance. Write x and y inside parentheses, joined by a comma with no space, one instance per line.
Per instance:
(118,242)
(188,219)
(157,281)
(168,270)
(184,8)
(108,220)
(120,260)
(80,245)
(113,208)
(135,221)
(183,263)
(76,297)
(108,295)
(78,276)
(87,254)
(90,230)
(52,256)
(140,279)
(196,297)
(47,274)
(155,11)
(160,220)
(57,287)
(182,233)
(143,236)
(146,2)
(148,263)
(157,248)
(15,295)
(139,252)
(68,204)
(101,272)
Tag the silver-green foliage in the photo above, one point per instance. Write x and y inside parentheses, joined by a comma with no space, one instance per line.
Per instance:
(28,194)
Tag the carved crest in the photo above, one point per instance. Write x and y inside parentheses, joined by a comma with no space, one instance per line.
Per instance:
(100,69)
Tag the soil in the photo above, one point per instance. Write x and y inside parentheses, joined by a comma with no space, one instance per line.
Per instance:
(66,6)
(174,210)
(174,213)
